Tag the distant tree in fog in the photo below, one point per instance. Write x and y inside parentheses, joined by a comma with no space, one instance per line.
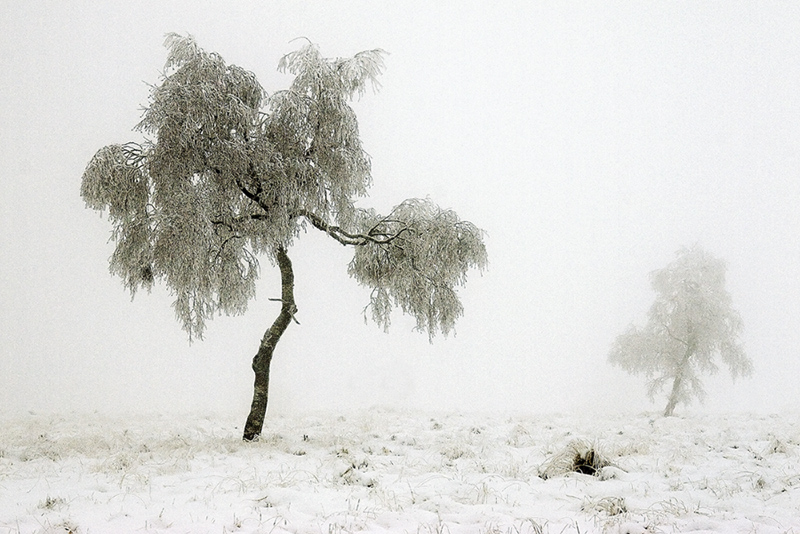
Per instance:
(226,173)
(690,326)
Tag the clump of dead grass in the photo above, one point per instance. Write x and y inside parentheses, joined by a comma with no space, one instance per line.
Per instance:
(579,456)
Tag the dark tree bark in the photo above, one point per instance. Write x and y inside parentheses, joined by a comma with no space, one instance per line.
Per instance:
(263,358)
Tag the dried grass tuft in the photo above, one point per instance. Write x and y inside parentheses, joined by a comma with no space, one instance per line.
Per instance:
(579,456)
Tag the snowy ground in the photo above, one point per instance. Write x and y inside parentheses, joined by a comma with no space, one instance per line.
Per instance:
(388,471)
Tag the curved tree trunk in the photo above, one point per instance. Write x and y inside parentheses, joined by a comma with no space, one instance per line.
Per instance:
(263,358)
(675,396)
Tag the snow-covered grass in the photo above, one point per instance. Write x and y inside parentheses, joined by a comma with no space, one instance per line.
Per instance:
(394,471)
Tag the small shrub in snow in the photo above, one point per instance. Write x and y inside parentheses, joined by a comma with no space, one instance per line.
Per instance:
(578,456)
(64,527)
(43,447)
(610,506)
(519,436)
(777,446)
(52,503)
(456,451)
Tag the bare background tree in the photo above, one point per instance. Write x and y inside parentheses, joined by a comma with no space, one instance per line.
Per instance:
(690,324)
(227,173)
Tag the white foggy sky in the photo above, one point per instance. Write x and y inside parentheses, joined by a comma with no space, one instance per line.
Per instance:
(589,141)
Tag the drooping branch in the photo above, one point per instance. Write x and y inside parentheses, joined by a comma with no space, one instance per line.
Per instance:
(346,238)
(418,272)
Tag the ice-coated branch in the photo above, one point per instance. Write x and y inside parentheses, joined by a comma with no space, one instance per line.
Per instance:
(346,238)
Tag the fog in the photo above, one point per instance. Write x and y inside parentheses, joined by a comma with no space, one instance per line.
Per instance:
(589,142)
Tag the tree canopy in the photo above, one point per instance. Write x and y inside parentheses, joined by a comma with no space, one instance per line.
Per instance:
(690,324)
(226,173)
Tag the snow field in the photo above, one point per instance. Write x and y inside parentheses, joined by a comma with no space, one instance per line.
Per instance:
(393,471)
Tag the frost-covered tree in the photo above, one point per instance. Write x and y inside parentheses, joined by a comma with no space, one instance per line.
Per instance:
(689,326)
(225,173)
